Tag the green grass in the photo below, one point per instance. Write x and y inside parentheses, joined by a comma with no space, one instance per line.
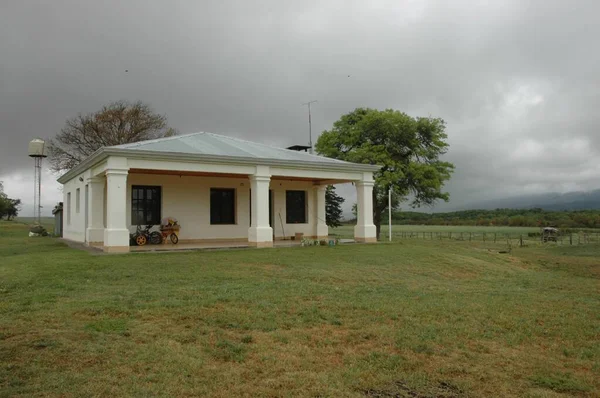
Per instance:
(412,318)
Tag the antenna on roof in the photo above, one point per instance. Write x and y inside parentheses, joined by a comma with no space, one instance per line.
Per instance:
(309,125)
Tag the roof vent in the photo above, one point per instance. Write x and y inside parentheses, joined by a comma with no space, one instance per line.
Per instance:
(299,148)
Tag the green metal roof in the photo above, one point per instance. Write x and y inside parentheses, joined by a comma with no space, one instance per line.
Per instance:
(220,145)
(214,148)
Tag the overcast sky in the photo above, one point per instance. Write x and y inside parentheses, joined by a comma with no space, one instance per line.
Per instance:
(518,82)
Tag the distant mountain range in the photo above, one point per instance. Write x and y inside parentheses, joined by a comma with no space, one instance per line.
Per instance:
(549,201)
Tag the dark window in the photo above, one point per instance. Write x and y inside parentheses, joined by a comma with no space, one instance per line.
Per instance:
(222,206)
(295,207)
(145,205)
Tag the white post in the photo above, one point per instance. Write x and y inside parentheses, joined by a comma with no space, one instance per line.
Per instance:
(116,234)
(95,231)
(322,231)
(365,230)
(390,213)
(260,233)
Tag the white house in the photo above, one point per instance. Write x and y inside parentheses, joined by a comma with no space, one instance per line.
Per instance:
(219,188)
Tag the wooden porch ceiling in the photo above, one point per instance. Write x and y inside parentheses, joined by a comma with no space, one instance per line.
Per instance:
(230,175)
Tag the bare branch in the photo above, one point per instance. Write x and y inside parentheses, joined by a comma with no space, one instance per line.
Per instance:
(117,123)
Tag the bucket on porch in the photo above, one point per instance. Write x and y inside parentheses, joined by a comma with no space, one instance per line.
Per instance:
(299,236)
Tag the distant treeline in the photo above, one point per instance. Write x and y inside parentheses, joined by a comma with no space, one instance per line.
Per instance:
(504,217)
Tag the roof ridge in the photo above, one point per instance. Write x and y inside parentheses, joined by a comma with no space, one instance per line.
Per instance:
(152,141)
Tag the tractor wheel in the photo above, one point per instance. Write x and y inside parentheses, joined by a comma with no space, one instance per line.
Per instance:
(141,240)
(174,239)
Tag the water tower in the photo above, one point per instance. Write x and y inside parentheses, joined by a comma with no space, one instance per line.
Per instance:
(37,150)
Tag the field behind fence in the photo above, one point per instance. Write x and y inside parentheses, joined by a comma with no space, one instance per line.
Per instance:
(509,235)
(501,237)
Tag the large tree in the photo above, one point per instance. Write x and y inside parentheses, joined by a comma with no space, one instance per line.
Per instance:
(3,200)
(117,123)
(12,209)
(9,208)
(408,149)
(333,207)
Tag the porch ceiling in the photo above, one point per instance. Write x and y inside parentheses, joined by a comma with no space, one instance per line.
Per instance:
(186,173)
(316,181)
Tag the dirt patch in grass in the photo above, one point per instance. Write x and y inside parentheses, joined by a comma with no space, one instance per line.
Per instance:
(560,382)
(401,389)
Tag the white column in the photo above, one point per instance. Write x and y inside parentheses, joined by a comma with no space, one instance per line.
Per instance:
(365,230)
(95,231)
(321,229)
(260,233)
(116,234)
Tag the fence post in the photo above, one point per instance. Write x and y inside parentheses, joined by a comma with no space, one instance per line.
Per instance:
(571,239)
(521,240)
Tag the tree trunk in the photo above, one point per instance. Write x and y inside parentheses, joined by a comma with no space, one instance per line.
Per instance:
(376,214)
(377,222)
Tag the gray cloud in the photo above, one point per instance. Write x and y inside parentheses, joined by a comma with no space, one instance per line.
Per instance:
(516,81)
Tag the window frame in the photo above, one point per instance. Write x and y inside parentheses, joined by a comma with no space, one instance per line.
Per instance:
(288,214)
(233,204)
(155,219)
(68,208)
(77,200)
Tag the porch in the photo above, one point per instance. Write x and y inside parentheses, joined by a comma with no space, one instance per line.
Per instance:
(224,245)
(215,210)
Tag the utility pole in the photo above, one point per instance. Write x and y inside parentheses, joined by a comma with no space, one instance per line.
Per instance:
(310,125)
(390,213)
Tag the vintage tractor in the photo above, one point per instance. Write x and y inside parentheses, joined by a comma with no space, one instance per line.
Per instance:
(550,234)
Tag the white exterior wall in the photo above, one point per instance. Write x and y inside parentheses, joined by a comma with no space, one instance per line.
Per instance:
(187,199)
(279,208)
(74,223)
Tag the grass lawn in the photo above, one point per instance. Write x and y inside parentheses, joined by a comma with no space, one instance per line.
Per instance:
(415,318)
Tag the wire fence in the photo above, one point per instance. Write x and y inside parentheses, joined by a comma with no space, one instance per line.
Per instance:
(581,238)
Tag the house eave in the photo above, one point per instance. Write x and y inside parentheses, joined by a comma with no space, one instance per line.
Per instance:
(104,153)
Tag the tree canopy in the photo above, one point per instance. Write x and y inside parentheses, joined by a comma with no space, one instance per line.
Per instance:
(117,123)
(534,217)
(407,148)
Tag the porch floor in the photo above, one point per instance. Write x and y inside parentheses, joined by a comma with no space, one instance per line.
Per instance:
(214,246)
